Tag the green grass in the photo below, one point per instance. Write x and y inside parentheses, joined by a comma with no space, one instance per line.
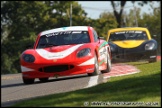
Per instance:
(142,88)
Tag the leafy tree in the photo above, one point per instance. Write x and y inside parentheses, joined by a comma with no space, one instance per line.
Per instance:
(22,25)
(104,23)
(130,20)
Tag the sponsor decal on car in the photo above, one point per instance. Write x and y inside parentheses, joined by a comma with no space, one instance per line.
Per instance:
(57,55)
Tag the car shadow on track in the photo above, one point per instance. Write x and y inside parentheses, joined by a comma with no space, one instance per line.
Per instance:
(12,85)
(39,82)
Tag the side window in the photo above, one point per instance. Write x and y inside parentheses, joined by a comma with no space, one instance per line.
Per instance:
(95,36)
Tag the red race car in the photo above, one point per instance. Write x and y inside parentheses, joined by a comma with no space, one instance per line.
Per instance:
(65,51)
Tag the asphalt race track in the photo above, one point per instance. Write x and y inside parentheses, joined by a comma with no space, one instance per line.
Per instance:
(14,90)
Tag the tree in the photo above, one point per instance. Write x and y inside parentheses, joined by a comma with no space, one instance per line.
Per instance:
(129,19)
(22,26)
(118,15)
(105,23)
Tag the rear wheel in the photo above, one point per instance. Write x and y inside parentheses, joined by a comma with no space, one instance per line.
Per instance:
(28,81)
(108,69)
(96,70)
(43,79)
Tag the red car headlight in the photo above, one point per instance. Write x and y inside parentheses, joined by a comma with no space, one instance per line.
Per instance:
(83,52)
(28,58)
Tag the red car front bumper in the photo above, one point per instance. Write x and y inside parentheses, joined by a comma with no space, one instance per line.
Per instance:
(57,69)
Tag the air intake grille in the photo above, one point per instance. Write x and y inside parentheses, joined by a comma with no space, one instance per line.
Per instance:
(56,68)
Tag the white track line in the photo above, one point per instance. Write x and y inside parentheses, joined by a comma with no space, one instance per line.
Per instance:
(92,81)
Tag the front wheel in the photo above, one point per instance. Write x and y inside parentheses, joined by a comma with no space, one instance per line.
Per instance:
(28,81)
(152,60)
(96,66)
(108,69)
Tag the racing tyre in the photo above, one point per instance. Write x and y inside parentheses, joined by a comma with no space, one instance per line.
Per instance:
(96,70)
(43,79)
(28,81)
(152,60)
(108,64)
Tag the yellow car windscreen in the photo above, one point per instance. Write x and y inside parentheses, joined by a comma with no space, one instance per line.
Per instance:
(128,39)
(128,35)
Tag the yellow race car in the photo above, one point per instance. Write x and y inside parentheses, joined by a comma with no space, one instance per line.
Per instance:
(132,44)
